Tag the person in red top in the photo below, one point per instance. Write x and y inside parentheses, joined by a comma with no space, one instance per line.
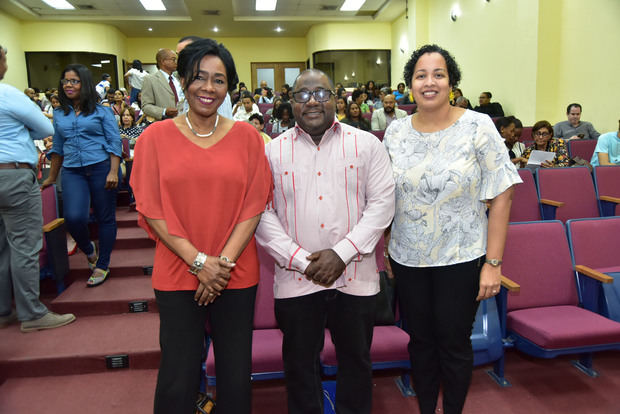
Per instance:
(201,182)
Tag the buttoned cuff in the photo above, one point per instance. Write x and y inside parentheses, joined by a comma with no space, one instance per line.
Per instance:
(298,261)
(346,250)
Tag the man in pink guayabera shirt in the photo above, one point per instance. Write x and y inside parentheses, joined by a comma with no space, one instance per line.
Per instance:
(333,197)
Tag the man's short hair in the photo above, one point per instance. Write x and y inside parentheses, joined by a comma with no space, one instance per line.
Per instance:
(192,38)
(576,105)
(386,90)
(356,94)
(105,76)
(330,82)
(260,118)
(488,94)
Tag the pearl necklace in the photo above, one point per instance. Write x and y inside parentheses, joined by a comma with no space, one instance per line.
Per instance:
(217,118)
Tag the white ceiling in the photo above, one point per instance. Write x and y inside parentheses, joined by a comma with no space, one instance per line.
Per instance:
(236,18)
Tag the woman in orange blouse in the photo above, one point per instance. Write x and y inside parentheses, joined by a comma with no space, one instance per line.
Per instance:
(201,182)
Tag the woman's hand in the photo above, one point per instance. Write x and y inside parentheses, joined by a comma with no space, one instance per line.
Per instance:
(546,164)
(213,278)
(490,281)
(47,182)
(111,181)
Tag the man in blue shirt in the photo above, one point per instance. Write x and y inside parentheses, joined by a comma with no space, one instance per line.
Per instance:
(21,122)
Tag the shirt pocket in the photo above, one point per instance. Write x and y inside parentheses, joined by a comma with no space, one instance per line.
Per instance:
(349,174)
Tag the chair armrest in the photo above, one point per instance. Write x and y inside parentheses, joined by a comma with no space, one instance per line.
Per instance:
(594,274)
(551,202)
(610,199)
(53,225)
(510,285)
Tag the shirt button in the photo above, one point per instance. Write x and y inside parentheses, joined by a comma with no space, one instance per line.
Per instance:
(299,279)
(320,197)
(351,166)
(350,279)
(322,225)
(285,138)
(318,148)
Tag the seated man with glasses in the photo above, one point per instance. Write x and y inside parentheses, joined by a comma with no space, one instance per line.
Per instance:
(334,198)
(162,94)
(542,133)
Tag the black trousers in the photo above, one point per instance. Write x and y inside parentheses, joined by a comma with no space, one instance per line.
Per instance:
(438,306)
(182,340)
(350,320)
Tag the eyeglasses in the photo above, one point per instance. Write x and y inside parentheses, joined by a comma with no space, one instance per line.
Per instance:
(320,95)
(541,134)
(71,81)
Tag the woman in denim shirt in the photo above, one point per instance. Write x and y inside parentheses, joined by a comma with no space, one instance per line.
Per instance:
(87,144)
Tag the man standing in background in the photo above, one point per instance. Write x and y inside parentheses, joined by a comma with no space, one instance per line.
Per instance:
(162,92)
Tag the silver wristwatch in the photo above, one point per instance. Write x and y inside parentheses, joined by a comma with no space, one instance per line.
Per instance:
(493,262)
(199,262)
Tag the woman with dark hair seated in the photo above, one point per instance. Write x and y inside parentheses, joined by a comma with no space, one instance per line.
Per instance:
(284,116)
(87,145)
(355,118)
(506,128)
(286,89)
(201,182)
(542,133)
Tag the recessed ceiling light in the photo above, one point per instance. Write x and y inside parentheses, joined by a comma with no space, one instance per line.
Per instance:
(278,29)
(105,61)
(352,5)
(153,4)
(59,4)
(266,5)
(150,29)
(97,65)
(215,29)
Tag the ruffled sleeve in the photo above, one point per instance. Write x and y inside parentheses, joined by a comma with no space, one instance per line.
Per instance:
(145,180)
(498,172)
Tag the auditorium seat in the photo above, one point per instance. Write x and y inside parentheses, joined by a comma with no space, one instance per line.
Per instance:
(379,134)
(526,135)
(267,338)
(594,245)
(583,148)
(607,184)
(525,205)
(53,257)
(409,108)
(264,107)
(367,116)
(566,193)
(549,318)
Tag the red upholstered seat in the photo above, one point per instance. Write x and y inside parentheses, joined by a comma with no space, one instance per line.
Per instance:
(555,327)
(264,107)
(607,184)
(583,148)
(525,206)
(573,186)
(379,134)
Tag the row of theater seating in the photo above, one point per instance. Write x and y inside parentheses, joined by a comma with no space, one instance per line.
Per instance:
(566,193)
(556,305)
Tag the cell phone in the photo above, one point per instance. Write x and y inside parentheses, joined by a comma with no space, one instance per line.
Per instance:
(581,135)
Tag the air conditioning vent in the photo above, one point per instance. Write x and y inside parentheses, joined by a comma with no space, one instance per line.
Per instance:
(211,12)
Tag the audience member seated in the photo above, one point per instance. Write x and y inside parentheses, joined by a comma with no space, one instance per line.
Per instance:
(118,105)
(382,118)
(607,151)
(245,107)
(378,103)
(407,99)
(506,128)
(542,133)
(463,102)
(258,122)
(518,130)
(370,90)
(263,85)
(284,92)
(400,91)
(128,126)
(574,127)
(266,96)
(109,97)
(276,102)
(341,108)
(359,98)
(54,103)
(355,118)
(284,114)
(492,109)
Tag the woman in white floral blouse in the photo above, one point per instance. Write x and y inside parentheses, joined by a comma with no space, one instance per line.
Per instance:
(447,162)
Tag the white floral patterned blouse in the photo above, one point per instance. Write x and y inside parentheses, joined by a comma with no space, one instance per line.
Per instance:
(442,180)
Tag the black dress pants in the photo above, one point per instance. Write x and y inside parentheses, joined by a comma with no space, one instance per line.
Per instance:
(439,306)
(182,340)
(350,320)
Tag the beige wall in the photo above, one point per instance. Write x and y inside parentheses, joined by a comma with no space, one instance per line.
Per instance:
(243,50)
(10,33)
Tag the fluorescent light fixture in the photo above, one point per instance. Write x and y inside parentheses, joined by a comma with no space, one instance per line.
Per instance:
(216,29)
(97,65)
(352,5)
(266,5)
(153,4)
(105,61)
(59,4)
(278,29)
(150,29)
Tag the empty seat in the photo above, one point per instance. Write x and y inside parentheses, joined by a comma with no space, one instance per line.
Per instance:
(583,148)
(607,184)
(566,193)
(525,205)
(53,257)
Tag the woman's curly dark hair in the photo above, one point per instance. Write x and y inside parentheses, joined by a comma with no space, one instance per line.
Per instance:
(454,73)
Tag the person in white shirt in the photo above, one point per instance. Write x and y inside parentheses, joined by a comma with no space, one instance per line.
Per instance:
(334,198)
(103,86)
(245,107)
(134,78)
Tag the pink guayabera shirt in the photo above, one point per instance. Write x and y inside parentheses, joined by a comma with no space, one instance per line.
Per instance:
(338,195)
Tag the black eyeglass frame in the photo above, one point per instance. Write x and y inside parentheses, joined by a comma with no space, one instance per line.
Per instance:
(313,94)
(71,81)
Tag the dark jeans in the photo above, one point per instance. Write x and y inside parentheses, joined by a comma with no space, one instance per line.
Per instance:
(438,306)
(181,337)
(80,186)
(350,320)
